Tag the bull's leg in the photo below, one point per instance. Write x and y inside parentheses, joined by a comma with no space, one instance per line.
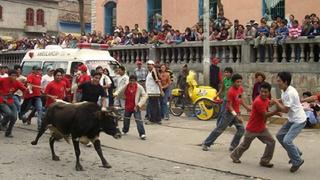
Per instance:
(51,142)
(40,133)
(77,151)
(97,147)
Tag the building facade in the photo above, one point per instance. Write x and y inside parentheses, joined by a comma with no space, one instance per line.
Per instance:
(186,13)
(69,19)
(20,18)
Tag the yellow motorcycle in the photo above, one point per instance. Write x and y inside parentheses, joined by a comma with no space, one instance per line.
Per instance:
(202,101)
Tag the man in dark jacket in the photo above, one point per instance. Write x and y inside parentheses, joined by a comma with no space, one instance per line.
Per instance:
(215,74)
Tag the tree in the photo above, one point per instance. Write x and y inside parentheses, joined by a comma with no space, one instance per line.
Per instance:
(81,15)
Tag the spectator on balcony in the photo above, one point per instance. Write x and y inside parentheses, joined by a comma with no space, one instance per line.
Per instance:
(291,19)
(166,25)
(240,32)
(250,32)
(314,17)
(224,35)
(294,33)
(234,29)
(136,28)
(200,35)
(169,36)
(272,32)
(116,39)
(306,26)
(263,33)
(126,30)
(145,36)
(189,35)
(281,34)
(315,30)
(215,36)
(177,38)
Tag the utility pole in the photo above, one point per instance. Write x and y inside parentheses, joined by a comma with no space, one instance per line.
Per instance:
(206,45)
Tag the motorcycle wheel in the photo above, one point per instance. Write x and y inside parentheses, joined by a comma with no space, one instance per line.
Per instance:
(206,109)
(176,106)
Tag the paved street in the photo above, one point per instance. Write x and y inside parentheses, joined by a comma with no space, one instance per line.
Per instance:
(171,151)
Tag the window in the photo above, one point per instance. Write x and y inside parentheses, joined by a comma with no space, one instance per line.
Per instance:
(29,17)
(212,9)
(271,9)
(154,14)
(54,65)
(0,12)
(27,66)
(40,17)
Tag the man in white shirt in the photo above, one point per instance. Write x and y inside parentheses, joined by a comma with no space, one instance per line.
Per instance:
(154,91)
(46,79)
(122,80)
(290,103)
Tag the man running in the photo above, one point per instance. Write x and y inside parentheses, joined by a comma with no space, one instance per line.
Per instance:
(231,116)
(256,128)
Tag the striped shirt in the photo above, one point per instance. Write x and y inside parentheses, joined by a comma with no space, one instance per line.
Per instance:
(294,32)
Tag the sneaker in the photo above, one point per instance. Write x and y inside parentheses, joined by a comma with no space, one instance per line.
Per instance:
(205,147)
(143,137)
(124,133)
(159,122)
(234,159)
(295,168)
(267,165)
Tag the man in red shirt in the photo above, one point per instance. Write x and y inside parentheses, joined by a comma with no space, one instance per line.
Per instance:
(135,97)
(8,86)
(33,95)
(231,116)
(56,89)
(256,128)
(80,79)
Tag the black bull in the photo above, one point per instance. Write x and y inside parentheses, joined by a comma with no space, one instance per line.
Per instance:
(78,120)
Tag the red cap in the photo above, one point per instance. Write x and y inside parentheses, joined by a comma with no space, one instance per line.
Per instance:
(83,68)
(215,61)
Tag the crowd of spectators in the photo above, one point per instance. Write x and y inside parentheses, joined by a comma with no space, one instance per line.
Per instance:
(221,29)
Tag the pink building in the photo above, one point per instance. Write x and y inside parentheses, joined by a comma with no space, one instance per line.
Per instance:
(186,13)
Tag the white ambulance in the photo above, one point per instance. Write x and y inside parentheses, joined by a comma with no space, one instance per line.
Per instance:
(69,59)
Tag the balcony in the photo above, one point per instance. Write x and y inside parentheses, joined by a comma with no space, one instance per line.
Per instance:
(239,54)
(35,29)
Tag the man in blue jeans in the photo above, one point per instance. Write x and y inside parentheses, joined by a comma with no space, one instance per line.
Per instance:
(9,86)
(290,103)
(231,116)
(135,97)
